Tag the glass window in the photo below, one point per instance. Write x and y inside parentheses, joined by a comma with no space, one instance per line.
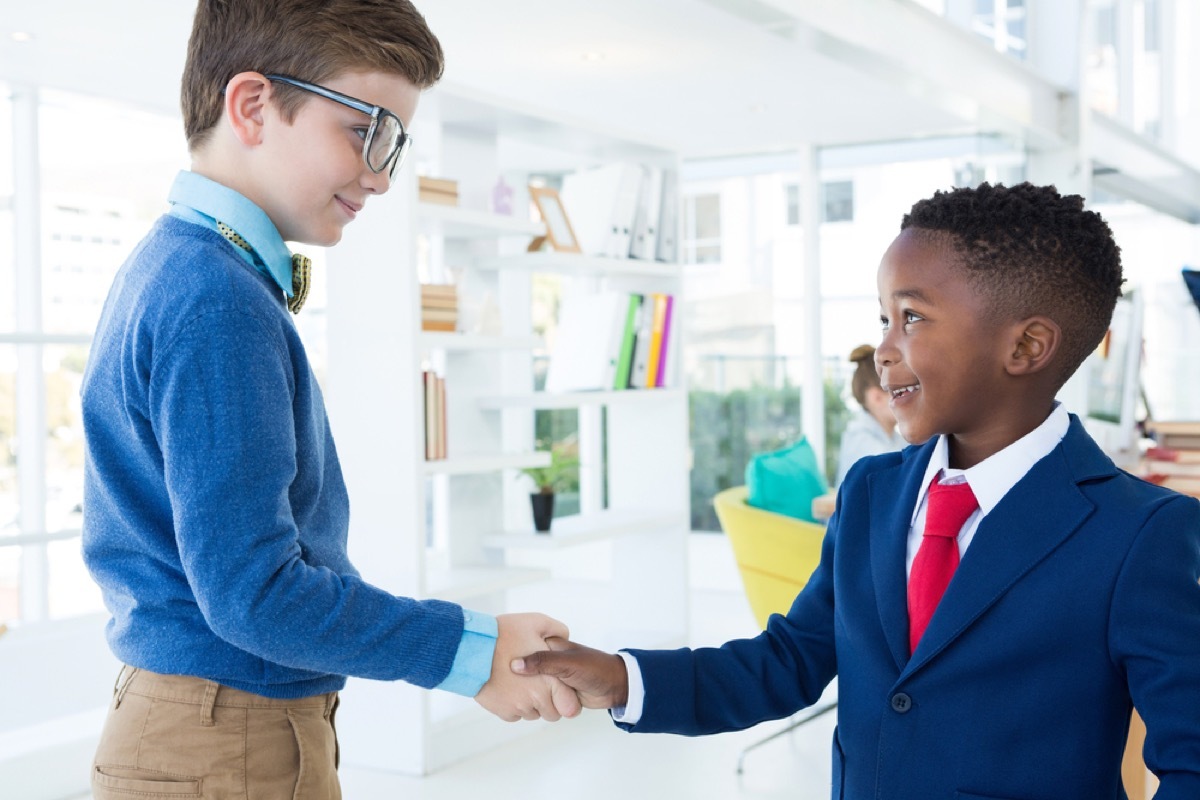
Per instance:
(838,201)
(98,201)
(793,203)
(702,237)
(1151,26)
(7,275)
(64,442)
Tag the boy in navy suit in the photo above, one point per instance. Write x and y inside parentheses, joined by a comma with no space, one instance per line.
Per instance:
(999,653)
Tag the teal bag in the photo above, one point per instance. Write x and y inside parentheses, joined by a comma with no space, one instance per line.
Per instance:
(786,481)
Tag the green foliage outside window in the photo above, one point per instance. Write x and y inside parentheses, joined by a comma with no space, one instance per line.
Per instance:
(727,428)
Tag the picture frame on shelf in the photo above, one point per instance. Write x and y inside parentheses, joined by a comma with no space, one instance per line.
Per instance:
(559,233)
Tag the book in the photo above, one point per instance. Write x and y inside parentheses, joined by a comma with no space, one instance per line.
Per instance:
(439,326)
(443,448)
(1178,456)
(440,198)
(656,335)
(1182,435)
(664,348)
(628,338)
(430,184)
(439,314)
(430,394)
(439,291)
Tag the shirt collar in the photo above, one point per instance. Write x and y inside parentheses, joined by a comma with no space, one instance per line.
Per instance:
(220,203)
(993,477)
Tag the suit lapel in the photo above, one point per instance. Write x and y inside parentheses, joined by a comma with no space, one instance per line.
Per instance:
(1007,546)
(893,493)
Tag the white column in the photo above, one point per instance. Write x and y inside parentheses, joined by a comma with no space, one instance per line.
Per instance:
(812,394)
(31,390)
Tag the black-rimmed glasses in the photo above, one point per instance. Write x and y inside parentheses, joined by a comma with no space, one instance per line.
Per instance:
(386,141)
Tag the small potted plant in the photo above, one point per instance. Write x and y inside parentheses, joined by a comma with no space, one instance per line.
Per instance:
(557,476)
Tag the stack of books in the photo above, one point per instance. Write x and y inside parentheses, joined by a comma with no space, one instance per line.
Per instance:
(1174,461)
(434,386)
(439,307)
(437,190)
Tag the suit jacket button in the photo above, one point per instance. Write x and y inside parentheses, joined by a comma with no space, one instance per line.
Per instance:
(901,703)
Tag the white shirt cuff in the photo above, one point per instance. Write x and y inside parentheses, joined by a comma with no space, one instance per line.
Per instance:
(632,712)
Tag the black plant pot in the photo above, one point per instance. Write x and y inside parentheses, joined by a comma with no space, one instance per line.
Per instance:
(543,510)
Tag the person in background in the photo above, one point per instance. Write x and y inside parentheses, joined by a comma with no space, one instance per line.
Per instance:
(872,429)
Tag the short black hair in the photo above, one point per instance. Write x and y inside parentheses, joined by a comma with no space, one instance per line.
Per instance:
(1031,250)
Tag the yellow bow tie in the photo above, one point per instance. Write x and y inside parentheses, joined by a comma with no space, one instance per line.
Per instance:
(301,269)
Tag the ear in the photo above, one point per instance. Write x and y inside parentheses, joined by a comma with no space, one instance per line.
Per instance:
(246,97)
(1033,345)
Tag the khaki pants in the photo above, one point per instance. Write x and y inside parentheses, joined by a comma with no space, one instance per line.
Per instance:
(172,736)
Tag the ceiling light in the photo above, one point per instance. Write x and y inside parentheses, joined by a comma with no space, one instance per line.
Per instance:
(21,36)
(593,56)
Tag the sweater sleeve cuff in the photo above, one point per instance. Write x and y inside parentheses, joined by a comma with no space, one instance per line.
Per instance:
(472,665)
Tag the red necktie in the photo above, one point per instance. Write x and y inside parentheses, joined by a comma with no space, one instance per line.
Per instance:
(948,507)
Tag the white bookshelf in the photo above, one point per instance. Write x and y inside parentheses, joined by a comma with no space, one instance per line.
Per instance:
(467,464)
(572,264)
(459,529)
(552,400)
(584,529)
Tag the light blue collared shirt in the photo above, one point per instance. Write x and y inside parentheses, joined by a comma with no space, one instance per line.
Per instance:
(201,201)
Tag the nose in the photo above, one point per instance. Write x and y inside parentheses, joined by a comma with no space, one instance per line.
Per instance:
(886,354)
(375,182)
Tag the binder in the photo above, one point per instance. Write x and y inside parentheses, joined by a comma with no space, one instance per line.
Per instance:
(625,210)
(664,348)
(590,197)
(641,347)
(628,338)
(583,354)
(667,246)
(656,337)
(645,229)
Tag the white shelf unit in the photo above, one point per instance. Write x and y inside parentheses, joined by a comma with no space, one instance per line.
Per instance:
(460,529)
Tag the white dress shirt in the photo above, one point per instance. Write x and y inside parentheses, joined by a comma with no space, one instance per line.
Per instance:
(990,480)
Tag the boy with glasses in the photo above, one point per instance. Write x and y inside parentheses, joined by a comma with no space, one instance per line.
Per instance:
(216,516)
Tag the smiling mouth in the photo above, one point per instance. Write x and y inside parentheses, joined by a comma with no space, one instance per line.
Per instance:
(900,391)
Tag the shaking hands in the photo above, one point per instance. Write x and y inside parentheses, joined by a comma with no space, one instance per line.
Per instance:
(537,673)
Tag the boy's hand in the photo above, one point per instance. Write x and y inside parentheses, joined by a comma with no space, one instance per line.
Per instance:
(511,697)
(599,678)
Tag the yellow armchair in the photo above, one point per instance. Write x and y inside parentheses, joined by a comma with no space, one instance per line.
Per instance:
(776,554)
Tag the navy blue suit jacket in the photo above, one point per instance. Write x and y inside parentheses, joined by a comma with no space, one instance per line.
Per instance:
(1077,600)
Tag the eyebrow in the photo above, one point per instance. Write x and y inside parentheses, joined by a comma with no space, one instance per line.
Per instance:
(913,294)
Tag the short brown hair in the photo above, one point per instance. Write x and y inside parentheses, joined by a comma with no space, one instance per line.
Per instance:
(865,376)
(1030,250)
(312,40)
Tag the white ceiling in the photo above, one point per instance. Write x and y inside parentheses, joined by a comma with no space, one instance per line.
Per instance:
(699,76)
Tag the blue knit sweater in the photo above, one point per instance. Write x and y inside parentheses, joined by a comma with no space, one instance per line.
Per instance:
(215,514)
